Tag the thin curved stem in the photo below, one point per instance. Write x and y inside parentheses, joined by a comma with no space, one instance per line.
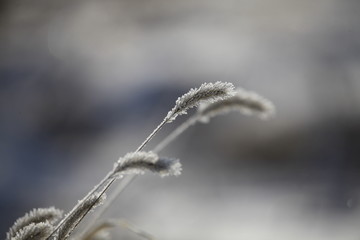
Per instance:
(108,177)
(174,134)
(128,179)
(152,134)
(123,184)
(100,195)
(103,181)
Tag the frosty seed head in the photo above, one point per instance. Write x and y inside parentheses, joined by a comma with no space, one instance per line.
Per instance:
(209,92)
(138,162)
(244,101)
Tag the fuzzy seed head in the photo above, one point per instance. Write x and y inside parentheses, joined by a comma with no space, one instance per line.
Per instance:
(40,215)
(246,102)
(34,231)
(138,162)
(209,92)
(86,206)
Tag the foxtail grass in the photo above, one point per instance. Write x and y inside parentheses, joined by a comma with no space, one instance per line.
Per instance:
(212,99)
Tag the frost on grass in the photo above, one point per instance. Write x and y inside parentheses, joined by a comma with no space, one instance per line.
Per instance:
(246,102)
(40,215)
(34,231)
(86,206)
(210,92)
(138,162)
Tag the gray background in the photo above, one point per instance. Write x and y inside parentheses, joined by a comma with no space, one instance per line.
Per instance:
(83,83)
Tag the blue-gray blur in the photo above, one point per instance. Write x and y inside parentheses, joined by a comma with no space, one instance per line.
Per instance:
(83,83)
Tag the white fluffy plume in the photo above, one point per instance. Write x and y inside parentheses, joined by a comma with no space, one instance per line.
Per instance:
(138,162)
(34,231)
(209,92)
(244,101)
(39,215)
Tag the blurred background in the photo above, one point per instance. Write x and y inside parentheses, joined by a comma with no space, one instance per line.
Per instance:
(84,82)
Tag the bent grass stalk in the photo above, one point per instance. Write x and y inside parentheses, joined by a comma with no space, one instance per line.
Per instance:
(107,180)
(128,179)
(206,92)
(246,102)
(217,98)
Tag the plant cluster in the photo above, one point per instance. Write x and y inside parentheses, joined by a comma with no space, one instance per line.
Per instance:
(212,99)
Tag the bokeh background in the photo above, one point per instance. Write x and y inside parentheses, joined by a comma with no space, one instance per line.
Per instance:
(84,82)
